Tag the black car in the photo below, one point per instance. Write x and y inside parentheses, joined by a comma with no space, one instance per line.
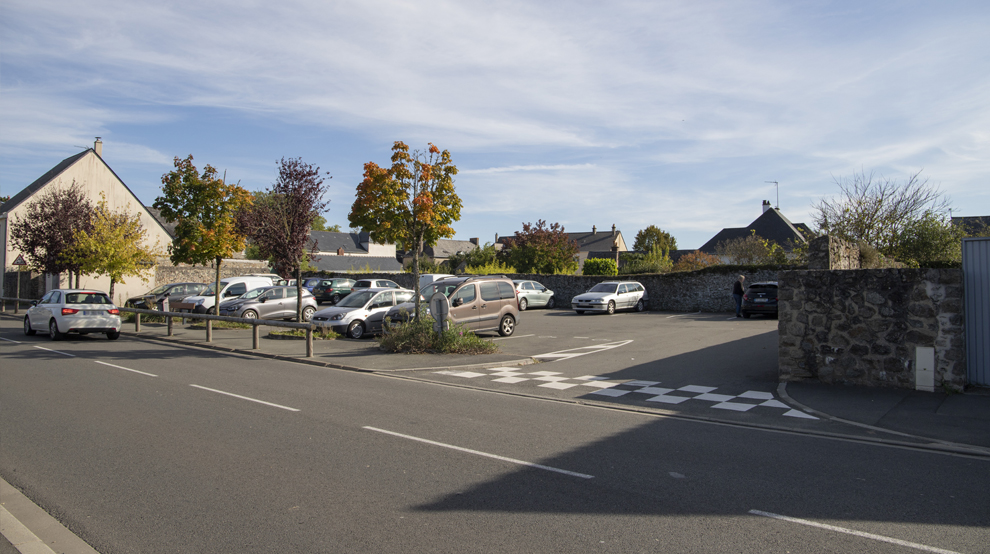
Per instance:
(332,290)
(152,300)
(760,298)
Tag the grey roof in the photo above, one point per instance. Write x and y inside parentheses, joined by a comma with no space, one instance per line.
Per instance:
(157,214)
(446,248)
(327,241)
(771,225)
(587,241)
(356,264)
(28,191)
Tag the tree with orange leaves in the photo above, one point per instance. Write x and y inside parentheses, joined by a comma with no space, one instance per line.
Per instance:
(412,203)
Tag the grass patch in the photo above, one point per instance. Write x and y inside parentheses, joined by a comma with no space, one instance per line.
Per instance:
(201,324)
(418,337)
(128,317)
(321,333)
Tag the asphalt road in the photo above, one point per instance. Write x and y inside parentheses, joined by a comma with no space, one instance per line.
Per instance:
(143,447)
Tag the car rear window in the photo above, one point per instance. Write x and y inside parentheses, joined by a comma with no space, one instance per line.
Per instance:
(505,290)
(763,288)
(86,298)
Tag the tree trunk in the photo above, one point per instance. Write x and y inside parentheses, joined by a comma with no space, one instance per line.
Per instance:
(112,284)
(216,303)
(417,249)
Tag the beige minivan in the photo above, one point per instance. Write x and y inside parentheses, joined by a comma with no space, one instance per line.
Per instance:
(480,303)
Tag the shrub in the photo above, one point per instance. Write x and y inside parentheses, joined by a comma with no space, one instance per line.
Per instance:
(654,261)
(493,268)
(696,260)
(599,266)
(418,337)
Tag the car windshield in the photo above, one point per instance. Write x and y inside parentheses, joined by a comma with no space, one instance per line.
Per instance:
(604,287)
(210,290)
(356,299)
(429,290)
(86,298)
(157,290)
(253,293)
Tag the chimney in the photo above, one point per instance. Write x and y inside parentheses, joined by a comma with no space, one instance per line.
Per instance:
(766,206)
(475,241)
(496,238)
(613,229)
(340,251)
(98,147)
(594,230)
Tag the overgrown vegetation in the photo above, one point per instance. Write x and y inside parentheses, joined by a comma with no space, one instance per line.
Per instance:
(693,261)
(599,266)
(322,333)
(418,337)
(657,260)
(493,268)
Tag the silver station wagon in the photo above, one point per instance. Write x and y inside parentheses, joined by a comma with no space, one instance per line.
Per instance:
(269,303)
(610,296)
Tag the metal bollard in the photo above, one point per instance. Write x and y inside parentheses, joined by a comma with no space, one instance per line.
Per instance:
(209,330)
(168,319)
(17,305)
(309,342)
(256,336)
(137,323)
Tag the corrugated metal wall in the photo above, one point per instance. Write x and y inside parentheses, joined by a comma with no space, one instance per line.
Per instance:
(976,275)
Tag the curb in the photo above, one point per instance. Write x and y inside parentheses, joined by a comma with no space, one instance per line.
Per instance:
(31,530)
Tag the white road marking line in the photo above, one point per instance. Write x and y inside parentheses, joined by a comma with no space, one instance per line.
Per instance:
(126,368)
(683,315)
(485,454)
(514,337)
(56,351)
(13,341)
(246,398)
(573,352)
(880,538)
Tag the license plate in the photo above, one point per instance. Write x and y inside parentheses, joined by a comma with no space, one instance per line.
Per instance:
(760,300)
(91,312)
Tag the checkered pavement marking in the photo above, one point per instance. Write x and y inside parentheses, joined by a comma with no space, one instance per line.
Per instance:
(603,386)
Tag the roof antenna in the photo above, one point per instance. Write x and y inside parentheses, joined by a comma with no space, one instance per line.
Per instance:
(776,184)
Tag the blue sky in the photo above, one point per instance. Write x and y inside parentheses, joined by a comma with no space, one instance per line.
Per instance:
(667,113)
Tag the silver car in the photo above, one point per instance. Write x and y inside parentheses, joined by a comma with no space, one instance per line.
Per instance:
(269,303)
(362,312)
(533,295)
(610,296)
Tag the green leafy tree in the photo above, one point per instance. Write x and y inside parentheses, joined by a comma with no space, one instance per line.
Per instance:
(653,236)
(46,234)
(115,245)
(599,266)
(752,249)
(657,260)
(320,224)
(204,208)
(541,249)
(413,202)
(878,211)
(280,219)
(693,261)
(482,256)
(931,239)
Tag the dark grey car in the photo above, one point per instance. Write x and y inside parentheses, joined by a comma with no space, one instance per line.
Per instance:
(269,303)
(176,292)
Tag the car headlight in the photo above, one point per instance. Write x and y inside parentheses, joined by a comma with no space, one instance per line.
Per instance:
(337,317)
(598,301)
(199,301)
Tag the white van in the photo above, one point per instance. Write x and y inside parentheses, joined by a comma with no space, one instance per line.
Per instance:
(428,278)
(231,287)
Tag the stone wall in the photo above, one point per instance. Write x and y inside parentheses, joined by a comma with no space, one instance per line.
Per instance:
(827,252)
(705,291)
(32,285)
(863,326)
(167,273)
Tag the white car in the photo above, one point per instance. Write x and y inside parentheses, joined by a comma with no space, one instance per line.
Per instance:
(64,311)
(610,296)
(361,312)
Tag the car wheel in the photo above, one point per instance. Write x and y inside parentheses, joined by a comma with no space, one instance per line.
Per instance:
(27,327)
(746,315)
(308,313)
(334,299)
(522,304)
(355,330)
(579,312)
(640,306)
(551,303)
(506,326)
(113,335)
(250,314)
(611,308)
(53,332)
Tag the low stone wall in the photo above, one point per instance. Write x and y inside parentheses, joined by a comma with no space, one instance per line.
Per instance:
(827,252)
(705,291)
(863,326)
(166,273)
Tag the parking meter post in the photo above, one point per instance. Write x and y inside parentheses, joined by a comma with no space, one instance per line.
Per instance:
(137,323)
(309,342)
(255,336)
(168,320)
(209,330)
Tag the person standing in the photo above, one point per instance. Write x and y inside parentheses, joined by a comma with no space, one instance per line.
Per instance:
(737,294)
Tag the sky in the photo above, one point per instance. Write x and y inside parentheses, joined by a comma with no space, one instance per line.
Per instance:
(632,113)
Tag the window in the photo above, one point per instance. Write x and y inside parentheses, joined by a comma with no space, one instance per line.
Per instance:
(505,290)
(390,284)
(56,298)
(403,296)
(623,289)
(383,300)
(527,286)
(489,291)
(46,299)
(291,293)
(86,298)
(465,294)
(236,289)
